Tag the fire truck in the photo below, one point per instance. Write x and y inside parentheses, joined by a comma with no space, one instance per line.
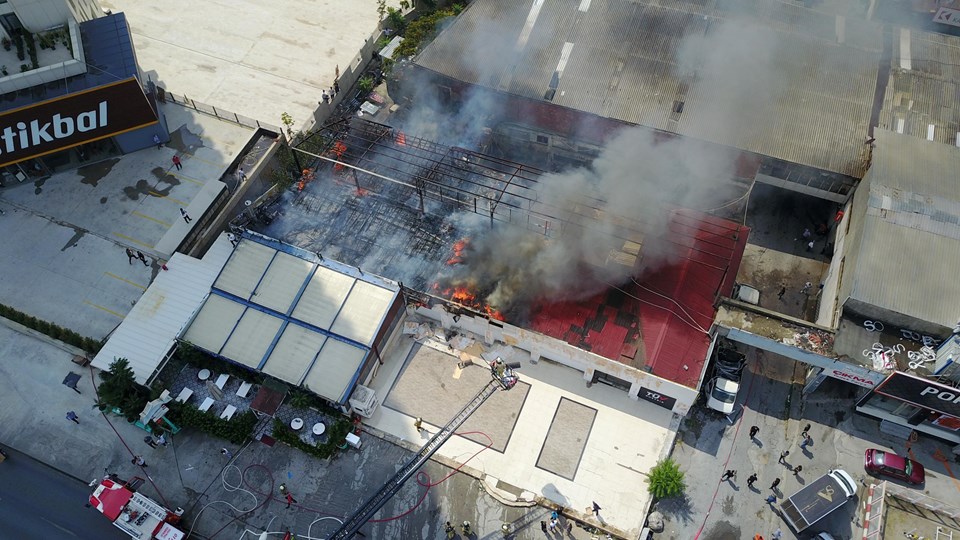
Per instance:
(133,513)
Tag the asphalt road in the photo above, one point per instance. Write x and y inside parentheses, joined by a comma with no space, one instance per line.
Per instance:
(39,502)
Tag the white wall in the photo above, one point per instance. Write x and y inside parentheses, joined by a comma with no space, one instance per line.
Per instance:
(539,345)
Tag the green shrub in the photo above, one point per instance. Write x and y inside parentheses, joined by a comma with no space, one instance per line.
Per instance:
(236,430)
(666,479)
(65,335)
(335,438)
(421,31)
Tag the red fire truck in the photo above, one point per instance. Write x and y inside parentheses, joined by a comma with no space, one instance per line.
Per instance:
(133,513)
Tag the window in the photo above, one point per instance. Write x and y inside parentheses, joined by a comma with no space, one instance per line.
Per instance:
(543,139)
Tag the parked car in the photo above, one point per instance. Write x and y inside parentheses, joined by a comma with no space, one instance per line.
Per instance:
(884,463)
(722,394)
(746,293)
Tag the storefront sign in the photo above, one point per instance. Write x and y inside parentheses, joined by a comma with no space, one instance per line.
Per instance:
(655,397)
(947,16)
(862,377)
(72,120)
(922,393)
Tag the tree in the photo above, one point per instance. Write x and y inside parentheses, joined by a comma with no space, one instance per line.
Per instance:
(119,389)
(666,479)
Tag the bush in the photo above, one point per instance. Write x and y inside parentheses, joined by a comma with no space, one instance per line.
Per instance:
(65,335)
(237,430)
(666,479)
(396,20)
(422,30)
(335,438)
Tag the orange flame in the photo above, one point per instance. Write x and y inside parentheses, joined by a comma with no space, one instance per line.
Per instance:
(458,249)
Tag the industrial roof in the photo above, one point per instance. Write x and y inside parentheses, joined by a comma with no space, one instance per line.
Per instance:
(293,315)
(795,84)
(924,87)
(108,52)
(150,330)
(909,241)
(659,322)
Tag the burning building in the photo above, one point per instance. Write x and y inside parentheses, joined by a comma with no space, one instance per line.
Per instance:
(606,269)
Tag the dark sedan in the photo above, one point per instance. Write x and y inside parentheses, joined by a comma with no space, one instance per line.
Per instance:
(884,463)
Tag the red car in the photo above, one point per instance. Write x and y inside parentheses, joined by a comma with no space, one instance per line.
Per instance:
(880,462)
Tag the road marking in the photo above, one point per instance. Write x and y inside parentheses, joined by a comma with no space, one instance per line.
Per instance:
(182,177)
(162,196)
(127,281)
(206,161)
(144,216)
(134,240)
(110,311)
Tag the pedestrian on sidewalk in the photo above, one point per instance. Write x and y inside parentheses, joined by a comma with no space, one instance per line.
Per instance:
(730,473)
(810,246)
(783,457)
(130,256)
(229,454)
(596,509)
(543,526)
(805,442)
(176,161)
(156,141)
(72,416)
(806,429)
(186,217)
(290,499)
(418,424)
(161,440)
(773,486)
(233,239)
(142,257)
(783,291)
(553,525)
(777,534)
(771,499)
(797,469)
(753,432)
(138,461)
(149,440)
(336,87)
(751,479)
(241,175)
(807,234)
(806,288)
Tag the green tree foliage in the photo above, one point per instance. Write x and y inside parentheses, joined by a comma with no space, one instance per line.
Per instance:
(421,31)
(118,388)
(666,479)
(396,20)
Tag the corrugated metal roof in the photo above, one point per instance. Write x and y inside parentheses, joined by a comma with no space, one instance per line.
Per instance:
(804,96)
(335,371)
(151,328)
(924,87)
(909,248)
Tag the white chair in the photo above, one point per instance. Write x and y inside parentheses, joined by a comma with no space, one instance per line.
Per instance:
(207,403)
(184,395)
(222,381)
(227,413)
(244,389)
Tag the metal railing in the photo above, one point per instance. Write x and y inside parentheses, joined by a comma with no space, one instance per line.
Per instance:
(223,114)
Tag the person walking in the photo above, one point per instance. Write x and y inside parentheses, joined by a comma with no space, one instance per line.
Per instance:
(797,469)
(142,257)
(229,454)
(161,440)
(753,432)
(771,499)
(596,509)
(806,429)
(176,161)
(156,141)
(807,234)
(773,486)
(777,534)
(805,442)
(290,499)
(543,526)
(728,474)
(233,239)
(130,256)
(336,87)
(241,175)
(186,217)
(783,457)
(138,461)
(806,288)
(149,440)
(810,245)
(72,416)
(783,291)
(751,479)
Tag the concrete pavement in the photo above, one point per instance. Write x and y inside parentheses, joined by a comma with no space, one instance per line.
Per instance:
(63,257)
(191,472)
(715,510)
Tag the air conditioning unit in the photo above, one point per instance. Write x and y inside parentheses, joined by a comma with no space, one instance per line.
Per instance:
(364,401)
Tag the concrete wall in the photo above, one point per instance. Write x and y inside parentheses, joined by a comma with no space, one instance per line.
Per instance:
(830,307)
(541,346)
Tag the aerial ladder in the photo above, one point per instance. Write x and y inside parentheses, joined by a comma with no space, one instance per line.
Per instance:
(502,377)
